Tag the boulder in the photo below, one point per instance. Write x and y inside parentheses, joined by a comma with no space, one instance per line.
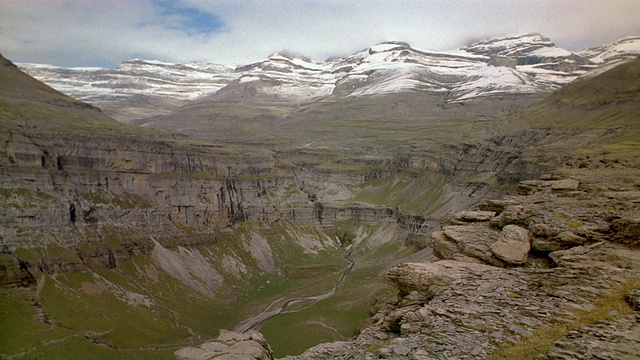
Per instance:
(548,239)
(568,239)
(495,205)
(626,231)
(230,345)
(564,185)
(430,279)
(602,255)
(512,214)
(543,230)
(443,247)
(513,245)
(473,240)
(472,216)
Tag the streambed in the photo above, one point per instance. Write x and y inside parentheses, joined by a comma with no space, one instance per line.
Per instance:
(255,322)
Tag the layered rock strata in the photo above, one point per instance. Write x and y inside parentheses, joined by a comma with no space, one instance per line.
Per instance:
(583,257)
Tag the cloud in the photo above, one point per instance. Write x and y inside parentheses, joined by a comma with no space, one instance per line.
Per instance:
(93,32)
(190,20)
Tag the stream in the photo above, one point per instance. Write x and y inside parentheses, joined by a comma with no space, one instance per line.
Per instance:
(255,322)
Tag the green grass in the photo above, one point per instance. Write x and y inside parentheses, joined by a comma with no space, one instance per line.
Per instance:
(108,316)
(594,116)
(414,191)
(341,316)
(24,337)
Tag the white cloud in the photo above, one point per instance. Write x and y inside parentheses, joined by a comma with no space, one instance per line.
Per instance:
(89,32)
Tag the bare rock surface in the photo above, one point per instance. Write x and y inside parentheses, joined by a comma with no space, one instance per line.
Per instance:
(229,346)
(513,245)
(467,216)
(547,257)
(430,279)
(616,339)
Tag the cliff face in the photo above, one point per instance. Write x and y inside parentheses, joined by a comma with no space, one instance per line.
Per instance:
(89,206)
(550,271)
(84,186)
(71,176)
(98,190)
(81,190)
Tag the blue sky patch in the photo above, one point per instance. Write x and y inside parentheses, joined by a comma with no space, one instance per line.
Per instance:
(191,20)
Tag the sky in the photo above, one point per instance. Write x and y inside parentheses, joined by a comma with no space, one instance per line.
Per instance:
(104,33)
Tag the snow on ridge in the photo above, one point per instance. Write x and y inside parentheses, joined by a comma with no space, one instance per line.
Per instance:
(384,68)
(510,41)
(627,47)
(551,52)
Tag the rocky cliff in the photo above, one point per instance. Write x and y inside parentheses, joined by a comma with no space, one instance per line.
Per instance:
(113,217)
(103,207)
(550,271)
(544,272)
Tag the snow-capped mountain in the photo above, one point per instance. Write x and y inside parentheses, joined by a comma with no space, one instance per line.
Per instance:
(523,64)
(620,50)
(124,91)
(150,77)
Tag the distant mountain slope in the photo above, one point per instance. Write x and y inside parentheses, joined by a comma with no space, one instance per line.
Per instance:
(515,65)
(598,117)
(136,88)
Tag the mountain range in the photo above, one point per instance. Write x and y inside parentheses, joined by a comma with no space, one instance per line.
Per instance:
(526,64)
(482,203)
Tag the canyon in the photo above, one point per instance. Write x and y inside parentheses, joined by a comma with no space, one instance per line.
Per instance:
(244,193)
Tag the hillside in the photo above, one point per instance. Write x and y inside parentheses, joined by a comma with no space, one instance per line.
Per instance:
(602,111)
(286,214)
(548,272)
(113,217)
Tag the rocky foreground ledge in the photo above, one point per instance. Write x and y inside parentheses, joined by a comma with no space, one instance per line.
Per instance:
(553,271)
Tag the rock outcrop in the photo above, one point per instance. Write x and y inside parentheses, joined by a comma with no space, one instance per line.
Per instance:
(513,245)
(229,346)
(496,290)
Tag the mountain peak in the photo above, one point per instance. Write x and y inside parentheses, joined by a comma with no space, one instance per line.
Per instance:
(289,55)
(388,46)
(625,48)
(529,49)
(521,64)
(510,45)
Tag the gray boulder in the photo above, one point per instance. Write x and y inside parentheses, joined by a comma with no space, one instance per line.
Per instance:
(229,345)
(513,245)
(430,279)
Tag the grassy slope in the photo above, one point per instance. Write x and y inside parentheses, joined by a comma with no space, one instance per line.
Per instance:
(340,317)
(138,310)
(599,115)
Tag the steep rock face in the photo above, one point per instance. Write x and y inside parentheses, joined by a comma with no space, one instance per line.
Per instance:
(530,49)
(462,309)
(78,187)
(152,187)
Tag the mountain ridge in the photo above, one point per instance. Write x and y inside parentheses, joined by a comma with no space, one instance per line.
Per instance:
(101,220)
(513,65)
